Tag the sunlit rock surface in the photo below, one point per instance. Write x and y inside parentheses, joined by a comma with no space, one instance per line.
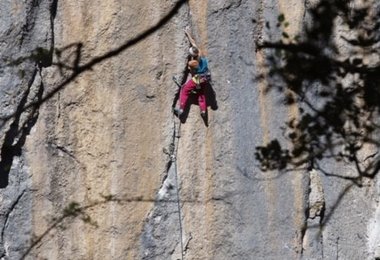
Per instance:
(102,169)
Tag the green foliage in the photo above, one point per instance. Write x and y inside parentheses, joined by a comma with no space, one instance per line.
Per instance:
(73,209)
(285,35)
(283,24)
(281,18)
(338,96)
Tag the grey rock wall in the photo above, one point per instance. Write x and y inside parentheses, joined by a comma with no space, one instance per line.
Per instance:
(103,170)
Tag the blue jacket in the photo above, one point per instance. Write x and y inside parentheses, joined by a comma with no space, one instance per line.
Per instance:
(203,66)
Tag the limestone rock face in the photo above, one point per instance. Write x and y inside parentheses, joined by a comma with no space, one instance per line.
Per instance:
(94,165)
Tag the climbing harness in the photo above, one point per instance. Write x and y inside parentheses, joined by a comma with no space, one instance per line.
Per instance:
(199,79)
(202,78)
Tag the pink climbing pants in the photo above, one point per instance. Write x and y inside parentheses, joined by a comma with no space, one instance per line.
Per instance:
(185,92)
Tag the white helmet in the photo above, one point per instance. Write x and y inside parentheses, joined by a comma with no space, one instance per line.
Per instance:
(193,51)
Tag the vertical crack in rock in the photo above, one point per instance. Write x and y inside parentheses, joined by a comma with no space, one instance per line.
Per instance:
(313,235)
(53,14)
(186,245)
(31,17)
(12,147)
(3,251)
(19,129)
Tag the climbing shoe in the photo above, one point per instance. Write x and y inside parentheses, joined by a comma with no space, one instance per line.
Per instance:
(177,111)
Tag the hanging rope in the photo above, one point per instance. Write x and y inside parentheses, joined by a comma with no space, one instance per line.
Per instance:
(176,136)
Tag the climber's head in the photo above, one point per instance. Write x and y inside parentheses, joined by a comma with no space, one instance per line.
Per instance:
(194,51)
(193,64)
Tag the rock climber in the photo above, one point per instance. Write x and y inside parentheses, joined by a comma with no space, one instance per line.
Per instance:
(200,75)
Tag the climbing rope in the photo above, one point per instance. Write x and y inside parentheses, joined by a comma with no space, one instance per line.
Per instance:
(176,136)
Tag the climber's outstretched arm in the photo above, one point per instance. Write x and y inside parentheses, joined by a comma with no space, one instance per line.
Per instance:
(193,43)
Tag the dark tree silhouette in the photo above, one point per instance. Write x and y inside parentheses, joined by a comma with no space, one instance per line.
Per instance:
(333,76)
